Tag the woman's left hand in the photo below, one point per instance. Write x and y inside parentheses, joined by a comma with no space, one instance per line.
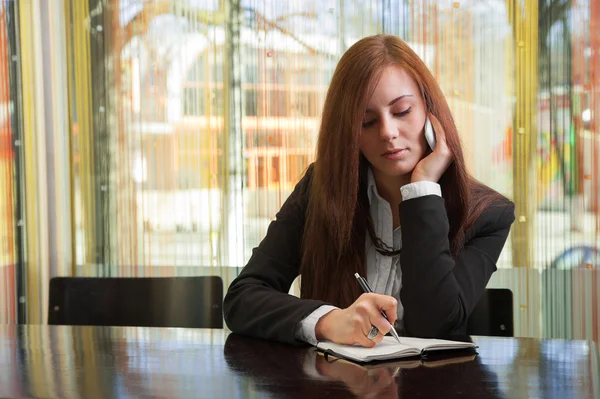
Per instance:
(433,166)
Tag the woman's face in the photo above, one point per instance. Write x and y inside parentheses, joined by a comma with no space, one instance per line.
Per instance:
(392,136)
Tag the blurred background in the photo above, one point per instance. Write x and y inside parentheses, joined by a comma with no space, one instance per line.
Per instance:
(160,137)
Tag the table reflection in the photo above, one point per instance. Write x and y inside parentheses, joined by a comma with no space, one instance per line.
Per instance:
(529,367)
(362,381)
(503,368)
(267,365)
(107,362)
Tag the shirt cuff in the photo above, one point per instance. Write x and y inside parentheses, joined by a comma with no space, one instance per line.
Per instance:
(306,328)
(420,189)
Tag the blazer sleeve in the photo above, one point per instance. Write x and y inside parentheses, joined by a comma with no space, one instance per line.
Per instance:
(439,292)
(257,302)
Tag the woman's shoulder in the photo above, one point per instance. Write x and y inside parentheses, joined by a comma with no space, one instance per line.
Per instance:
(495,210)
(305,181)
(297,202)
(302,189)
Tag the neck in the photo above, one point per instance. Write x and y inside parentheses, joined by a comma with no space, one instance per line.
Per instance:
(389,187)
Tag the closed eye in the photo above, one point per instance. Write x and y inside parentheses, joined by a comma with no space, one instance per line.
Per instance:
(369,124)
(405,112)
(396,114)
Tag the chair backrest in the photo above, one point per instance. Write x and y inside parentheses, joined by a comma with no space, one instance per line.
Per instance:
(194,302)
(493,314)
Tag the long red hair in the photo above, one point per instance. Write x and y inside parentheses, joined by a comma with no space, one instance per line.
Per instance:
(337,216)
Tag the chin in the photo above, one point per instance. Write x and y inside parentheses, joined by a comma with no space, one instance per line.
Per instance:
(397,170)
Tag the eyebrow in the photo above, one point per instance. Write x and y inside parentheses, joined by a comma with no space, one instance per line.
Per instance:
(394,101)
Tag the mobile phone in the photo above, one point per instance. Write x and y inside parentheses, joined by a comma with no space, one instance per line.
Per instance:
(429,134)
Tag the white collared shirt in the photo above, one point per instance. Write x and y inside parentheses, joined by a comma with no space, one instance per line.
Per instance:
(384,273)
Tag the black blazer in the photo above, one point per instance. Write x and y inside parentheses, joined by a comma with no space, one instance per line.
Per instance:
(438,292)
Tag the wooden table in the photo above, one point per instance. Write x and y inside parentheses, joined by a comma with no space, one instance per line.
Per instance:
(105,362)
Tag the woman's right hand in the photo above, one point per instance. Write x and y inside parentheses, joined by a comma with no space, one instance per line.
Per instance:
(352,325)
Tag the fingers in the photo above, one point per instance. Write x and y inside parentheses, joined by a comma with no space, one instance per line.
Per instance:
(361,338)
(368,313)
(376,304)
(362,328)
(382,325)
(389,305)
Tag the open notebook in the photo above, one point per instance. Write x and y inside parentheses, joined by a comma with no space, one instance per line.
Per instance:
(389,348)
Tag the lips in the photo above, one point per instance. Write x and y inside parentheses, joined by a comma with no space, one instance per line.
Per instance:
(396,153)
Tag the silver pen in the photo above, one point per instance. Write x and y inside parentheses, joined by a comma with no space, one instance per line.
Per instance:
(366,288)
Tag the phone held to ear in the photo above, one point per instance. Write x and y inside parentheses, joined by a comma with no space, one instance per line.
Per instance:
(429,134)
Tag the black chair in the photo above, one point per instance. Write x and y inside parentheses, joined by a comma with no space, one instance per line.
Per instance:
(194,302)
(493,314)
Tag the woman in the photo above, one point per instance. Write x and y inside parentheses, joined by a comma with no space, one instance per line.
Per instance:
(377,201)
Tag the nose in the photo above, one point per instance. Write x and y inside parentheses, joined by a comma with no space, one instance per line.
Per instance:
(387,129)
